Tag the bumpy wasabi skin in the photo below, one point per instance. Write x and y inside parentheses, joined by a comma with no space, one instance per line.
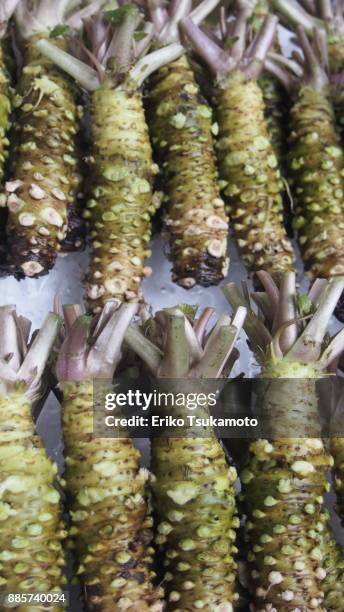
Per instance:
(317,168)
(193,486)
(122,171)
(44,177)
(107,501)
(194,498)
(249,165)
(336,68)
(295,561)
(31,531)
(5,109)
(182,132)
(284,482)
(273,94)
(337,450)
(327,17)
(107,492)
(333,564)
(275,113)
(122,203)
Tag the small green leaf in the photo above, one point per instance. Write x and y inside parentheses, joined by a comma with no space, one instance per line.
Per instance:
(230,41)
(59,30)
(305,305)
(139,36)
(188,310)
(117,16)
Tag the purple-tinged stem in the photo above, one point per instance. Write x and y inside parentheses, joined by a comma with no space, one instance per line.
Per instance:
(35,361)
(316,289)
(270,288)
(176,360)
(8,335)
(150,354)
(86,76)
(71,362)
(320,40)
(195,348)
(97,31)
(287,62)
(310,6)
(23,327)
(178,10)
(333,351)
(223,23)
(262,301)
(158,14)
(317,75)
(223,321)
(286,313)
(142,46)
(103,318)
(217,59)
(216,355)
(258,51)
(76,19)
(153,61)
(201,12)
(282,75)
(255,329)
(121,45)
(240,33)
(105,353)
(295,14)
(307,348)
(71,312)
(200,326)
(325,10)
(219,347)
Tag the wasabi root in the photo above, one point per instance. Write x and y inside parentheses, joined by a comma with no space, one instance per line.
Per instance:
(316,164)
(182,129)
(276,107)
(106,490)
(31,530)
(295,562)
(45,175)
(6,103)
(6,96)
(329,18)
(122,171)
(248,164)
(193,489)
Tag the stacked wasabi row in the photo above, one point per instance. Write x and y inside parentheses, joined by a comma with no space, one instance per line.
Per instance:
(31,531)
(295,562)
(316,162)
(45,176)
(122,203)
(193,488)
(106,490)
(248,163)
(182,129)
